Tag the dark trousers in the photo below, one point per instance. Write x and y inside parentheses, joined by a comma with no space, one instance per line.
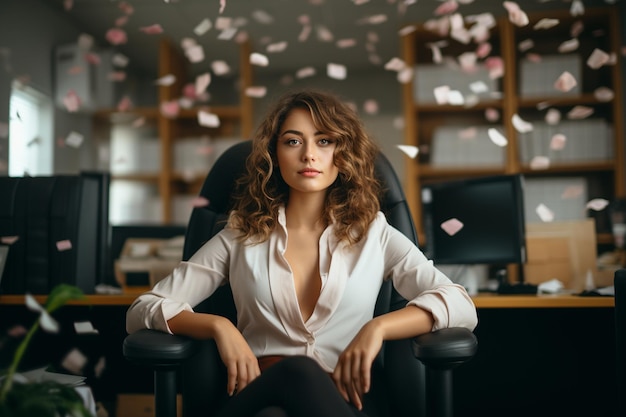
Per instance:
(294,387)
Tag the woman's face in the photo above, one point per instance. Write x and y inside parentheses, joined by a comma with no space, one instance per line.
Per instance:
(305,155)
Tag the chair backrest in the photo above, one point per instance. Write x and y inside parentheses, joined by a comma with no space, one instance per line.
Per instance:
(620,338)
(402,373)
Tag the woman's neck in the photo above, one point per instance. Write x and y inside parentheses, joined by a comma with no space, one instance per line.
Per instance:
(305,212)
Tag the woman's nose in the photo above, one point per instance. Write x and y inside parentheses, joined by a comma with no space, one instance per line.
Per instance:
(309,153)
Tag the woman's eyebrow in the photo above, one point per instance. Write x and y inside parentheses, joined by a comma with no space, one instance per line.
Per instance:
(298,133)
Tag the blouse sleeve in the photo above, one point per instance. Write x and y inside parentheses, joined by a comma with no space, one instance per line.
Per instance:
(186,286)
(418,280)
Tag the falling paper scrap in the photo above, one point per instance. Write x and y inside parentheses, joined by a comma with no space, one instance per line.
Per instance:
(452,226)
(208,119)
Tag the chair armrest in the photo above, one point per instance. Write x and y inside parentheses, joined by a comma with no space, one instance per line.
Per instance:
(157,349)
(445,348)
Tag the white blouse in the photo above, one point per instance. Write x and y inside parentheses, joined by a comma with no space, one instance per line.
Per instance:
(268,314)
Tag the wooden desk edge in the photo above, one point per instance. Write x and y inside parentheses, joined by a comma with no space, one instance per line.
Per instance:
(480,300)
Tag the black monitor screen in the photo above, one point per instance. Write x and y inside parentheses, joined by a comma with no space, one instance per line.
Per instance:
(486,216)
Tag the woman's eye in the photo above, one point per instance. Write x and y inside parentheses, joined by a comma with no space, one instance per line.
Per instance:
(292,142)
(325,142)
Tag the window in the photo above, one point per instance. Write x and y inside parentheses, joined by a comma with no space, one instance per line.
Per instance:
(30,132)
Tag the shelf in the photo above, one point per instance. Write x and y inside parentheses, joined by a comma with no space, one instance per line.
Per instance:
(432,127)
(152,177)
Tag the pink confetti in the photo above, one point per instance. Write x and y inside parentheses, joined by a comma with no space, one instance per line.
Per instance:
(166,80)
(4,130)
(202,82)
(125,104)
(539,162)
(222,6)
(324,34)
(256,91)
(305,72)
(569,46)
(9,240)
(603,94)
(220,67)
(565,82)
(577,28)
(276,47)
(553,117)
(516,15)
(195,54)
(74,361)
(63,245)
(580,112)
(346,43)
(71,101)
(170,109)
(99,368)
(492,114)
(200,202)
(525,45)
(117,76)
(452,226)
(126,8)
(155,29)
(495,65)
(597,59)
(370,106)
(546,23)
(557,143)
(116,36)
(572,191)
(447,7)
(138,122)
(92,58)
(483,50)
(121,21)
(395,64)
(468,133)
(17,331)
(534,58)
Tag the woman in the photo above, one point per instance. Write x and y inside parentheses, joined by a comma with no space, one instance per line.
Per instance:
(305,251)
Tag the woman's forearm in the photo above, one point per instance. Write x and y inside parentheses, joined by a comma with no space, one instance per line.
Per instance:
(196,325)
(406,322)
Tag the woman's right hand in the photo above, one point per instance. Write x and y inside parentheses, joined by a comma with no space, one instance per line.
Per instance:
(241,364)
(242,367)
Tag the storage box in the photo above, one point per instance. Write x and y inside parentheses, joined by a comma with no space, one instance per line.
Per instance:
(141,405)
(538,78)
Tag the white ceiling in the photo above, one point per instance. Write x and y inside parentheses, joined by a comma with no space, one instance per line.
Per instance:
(345,19)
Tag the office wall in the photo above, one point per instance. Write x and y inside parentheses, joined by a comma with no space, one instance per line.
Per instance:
(29,32)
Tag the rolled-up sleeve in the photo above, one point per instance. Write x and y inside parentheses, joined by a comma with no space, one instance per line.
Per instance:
(418,280)
(186,286)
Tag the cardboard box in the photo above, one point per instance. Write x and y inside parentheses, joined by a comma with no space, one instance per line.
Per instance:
(141,405)
(142,256)
(564,250)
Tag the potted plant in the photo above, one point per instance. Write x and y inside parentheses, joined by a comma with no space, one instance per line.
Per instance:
(42,398)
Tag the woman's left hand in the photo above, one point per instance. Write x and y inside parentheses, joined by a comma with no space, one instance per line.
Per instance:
(352,374)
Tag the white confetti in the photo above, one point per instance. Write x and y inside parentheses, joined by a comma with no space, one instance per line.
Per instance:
(74,361)
(557,142)
(256,91)
(203,27)
(259,59)
(276,47)
(539,162)
(409,150)
(553,116)
(84,327)
(597,204)
(545,214)
(565,82)
(166,80)
(336,71)
(220,67)
(598,58)
(546,23)
(208,119)
(74,139)
(202,82)
(305,72)
(569,46)
(603,94)
(521,125)
(580,112)
(496,137)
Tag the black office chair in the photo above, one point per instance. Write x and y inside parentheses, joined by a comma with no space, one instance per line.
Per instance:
(620,339)
(401,384)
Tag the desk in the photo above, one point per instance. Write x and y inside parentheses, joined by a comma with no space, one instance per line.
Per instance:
(480,300)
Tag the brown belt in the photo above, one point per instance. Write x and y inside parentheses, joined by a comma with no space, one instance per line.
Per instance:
(267,361)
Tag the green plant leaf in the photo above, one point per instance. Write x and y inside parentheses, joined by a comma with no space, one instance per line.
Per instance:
(61,294)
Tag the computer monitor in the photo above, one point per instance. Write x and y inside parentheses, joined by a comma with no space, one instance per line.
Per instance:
(491,212)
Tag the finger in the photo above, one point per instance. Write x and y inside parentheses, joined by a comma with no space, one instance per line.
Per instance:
(242,376)
(337,378)
(231,385)
(356,374)
(366,375)
(355,396)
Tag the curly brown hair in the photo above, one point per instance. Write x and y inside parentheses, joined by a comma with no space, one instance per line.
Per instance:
(352,201)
